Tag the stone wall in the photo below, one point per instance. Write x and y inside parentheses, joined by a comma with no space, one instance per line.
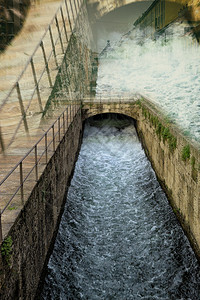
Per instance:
(35,228)
(76,71)
(174,158)
(176,161)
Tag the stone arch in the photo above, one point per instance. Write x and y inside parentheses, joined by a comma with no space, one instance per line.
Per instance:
(127,109)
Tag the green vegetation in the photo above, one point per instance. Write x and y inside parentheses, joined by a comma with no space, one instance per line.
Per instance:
(185,152)
(194,169)
(193,162)
(162,131)
(12,207)
(6,249)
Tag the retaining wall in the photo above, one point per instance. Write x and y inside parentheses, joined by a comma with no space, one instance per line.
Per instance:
(36,226)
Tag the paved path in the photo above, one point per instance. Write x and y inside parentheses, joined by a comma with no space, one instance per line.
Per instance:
(12,62)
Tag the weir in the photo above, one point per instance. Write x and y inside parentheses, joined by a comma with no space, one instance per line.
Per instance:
(38,183)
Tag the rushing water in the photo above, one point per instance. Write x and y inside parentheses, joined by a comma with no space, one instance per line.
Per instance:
(118,238)
(168,72)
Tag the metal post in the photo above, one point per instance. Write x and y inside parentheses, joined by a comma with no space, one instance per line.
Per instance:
(60,38)
(63,123)
(70,113)
(46,152)
(78,4)
(46,64)
(72,10)
(1,141)
(36,84)
(59,129)
(70,24)
(22,107)
(75,8)
(1,233)
(36,164)
(53,132)
(63,19)
(21,182)
(53,46)
(67,117)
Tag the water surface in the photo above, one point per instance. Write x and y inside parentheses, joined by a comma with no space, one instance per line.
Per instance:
(118,238)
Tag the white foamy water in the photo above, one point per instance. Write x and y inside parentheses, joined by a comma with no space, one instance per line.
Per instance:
(166,72)
(118,238)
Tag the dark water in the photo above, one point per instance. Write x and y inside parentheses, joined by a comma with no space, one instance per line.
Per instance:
(118,238)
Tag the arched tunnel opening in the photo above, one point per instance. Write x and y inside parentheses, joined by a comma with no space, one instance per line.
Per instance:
(118,237)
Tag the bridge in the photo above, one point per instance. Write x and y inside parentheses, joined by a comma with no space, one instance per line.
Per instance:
(41,128)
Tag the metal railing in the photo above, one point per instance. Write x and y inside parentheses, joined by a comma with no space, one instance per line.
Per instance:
(30,92)
(20,181)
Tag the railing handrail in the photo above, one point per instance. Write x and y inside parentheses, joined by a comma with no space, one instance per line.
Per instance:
(58,45)
(27,154)
(31,57)
(70,116)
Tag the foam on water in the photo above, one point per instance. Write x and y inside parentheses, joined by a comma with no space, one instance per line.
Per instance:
(118,237)
(166,72)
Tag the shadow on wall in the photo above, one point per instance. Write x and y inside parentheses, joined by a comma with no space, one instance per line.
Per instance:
(12,16)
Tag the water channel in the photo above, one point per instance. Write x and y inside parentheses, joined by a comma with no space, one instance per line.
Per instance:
(118,238)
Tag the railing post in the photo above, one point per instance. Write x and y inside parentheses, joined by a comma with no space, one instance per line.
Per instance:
(72,10)
(1,141)
(63,19)
(1,233)
(53,46)
(21,182)
(60,38)
(78,4)
(22,107)
(75,8)
(46,64)
(59,129)
(46,152)
(36,84)
(70,24)
(36,164)
(63,123)
(67,117)
(53,132)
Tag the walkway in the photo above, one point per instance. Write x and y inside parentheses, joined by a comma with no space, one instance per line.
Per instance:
(21,112)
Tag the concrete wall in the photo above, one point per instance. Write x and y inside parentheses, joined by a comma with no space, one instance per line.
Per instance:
(174,158)
(76,71)
(36,226)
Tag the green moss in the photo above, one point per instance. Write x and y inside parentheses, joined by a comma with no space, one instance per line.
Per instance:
(6,249)
(138,102)
(172,141)
(162,131)
(166,134)
(193,162)
(194,174)
(185,152)
(194,169)
(12,207)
